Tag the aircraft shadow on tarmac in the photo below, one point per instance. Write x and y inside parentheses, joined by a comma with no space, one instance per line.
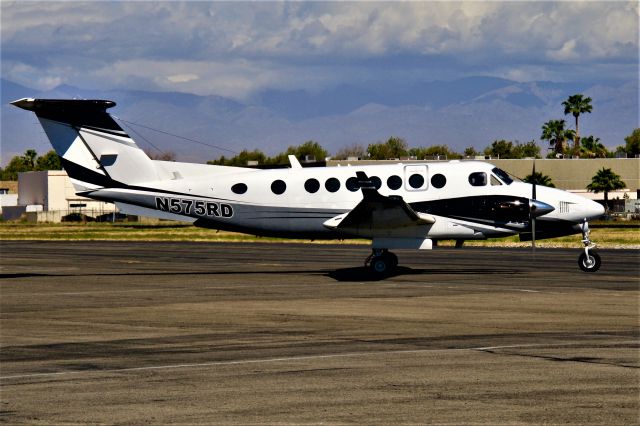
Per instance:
(365,274)
(344,274)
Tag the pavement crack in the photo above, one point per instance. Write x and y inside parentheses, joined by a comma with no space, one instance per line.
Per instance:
(585,360)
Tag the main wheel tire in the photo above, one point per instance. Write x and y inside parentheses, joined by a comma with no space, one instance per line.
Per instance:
(591,263)
(384,264)
(380,265)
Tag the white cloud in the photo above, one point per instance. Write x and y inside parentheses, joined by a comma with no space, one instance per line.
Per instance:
(182,78)
(566,52)
(234,49)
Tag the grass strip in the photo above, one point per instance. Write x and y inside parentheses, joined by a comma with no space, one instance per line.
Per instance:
(605,237)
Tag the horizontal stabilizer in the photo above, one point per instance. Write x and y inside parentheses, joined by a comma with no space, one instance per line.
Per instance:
(74,112)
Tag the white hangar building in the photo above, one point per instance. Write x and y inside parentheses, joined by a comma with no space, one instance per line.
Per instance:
(48,196)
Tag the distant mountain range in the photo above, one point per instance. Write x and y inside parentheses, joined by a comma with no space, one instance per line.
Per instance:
(467,112)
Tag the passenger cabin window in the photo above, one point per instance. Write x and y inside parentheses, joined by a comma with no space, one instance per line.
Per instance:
(278,187)
(478,179)
(394,182)
(312,185)
(416,180)
(332,184)
(352,184)
(438,180)
(239,188)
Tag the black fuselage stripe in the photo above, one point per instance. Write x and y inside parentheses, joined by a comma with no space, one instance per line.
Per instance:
(290,217)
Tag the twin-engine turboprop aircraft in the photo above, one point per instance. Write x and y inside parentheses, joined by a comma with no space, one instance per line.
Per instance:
(396,206)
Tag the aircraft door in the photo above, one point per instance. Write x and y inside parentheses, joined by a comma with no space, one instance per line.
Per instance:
(415,178)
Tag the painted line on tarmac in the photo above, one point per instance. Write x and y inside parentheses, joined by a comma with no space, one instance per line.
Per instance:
(291,359)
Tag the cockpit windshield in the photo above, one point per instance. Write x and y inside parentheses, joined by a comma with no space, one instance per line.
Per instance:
(504,176)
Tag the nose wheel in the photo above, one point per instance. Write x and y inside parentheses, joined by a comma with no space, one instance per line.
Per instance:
(381,262)
(589,259)
(589,262)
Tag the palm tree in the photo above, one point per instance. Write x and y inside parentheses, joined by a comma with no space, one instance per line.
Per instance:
(554,132)
(605,180)
(592,147)
(539,179)
(29,158)
(576,105)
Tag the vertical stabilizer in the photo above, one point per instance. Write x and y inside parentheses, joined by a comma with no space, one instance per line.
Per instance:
(95,150)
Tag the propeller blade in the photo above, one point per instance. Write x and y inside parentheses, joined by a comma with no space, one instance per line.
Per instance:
(533,234)
(535,181)
(533,207)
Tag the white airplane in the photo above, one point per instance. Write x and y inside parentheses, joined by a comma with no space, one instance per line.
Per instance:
(397,206)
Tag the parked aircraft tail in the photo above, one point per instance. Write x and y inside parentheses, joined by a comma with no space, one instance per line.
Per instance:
(95,150)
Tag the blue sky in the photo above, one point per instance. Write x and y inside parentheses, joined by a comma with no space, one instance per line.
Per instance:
(336,72)
(237,49)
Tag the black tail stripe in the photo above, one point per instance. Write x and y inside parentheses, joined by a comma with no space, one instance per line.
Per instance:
(78,172)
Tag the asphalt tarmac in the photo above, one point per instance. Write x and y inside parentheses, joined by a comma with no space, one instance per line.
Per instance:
(129,333)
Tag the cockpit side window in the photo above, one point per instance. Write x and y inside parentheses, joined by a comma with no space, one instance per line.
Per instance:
(495,181)
(478,179)
(504,176)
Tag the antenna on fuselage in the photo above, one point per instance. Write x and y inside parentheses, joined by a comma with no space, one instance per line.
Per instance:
(295,164)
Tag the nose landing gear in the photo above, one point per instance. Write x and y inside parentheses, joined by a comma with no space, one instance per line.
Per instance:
(381,261)
(589,260)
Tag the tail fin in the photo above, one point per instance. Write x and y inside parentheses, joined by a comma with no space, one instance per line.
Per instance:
(94,149)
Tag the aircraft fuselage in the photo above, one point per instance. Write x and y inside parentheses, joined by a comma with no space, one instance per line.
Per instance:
(471,199)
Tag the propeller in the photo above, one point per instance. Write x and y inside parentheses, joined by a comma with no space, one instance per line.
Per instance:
(536,208)
(532,209)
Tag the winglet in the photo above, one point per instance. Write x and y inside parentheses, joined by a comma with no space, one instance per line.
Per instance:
(364,181)
(369,191)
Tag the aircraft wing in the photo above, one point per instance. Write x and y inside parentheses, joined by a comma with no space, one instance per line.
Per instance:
(377,212)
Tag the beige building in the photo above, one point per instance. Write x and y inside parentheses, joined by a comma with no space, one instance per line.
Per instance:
(576,174)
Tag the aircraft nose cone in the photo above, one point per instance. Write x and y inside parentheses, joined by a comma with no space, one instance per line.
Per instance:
(593,210)
(538,208)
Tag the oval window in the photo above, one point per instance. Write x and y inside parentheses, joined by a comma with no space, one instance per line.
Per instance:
(312,185)
(278,187)
(416,180)
(438,180)
(352,184)
(332,184)
(394,182)
(239,188)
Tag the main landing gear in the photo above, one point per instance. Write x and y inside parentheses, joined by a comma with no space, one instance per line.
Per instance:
(381,261)
(589,260)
